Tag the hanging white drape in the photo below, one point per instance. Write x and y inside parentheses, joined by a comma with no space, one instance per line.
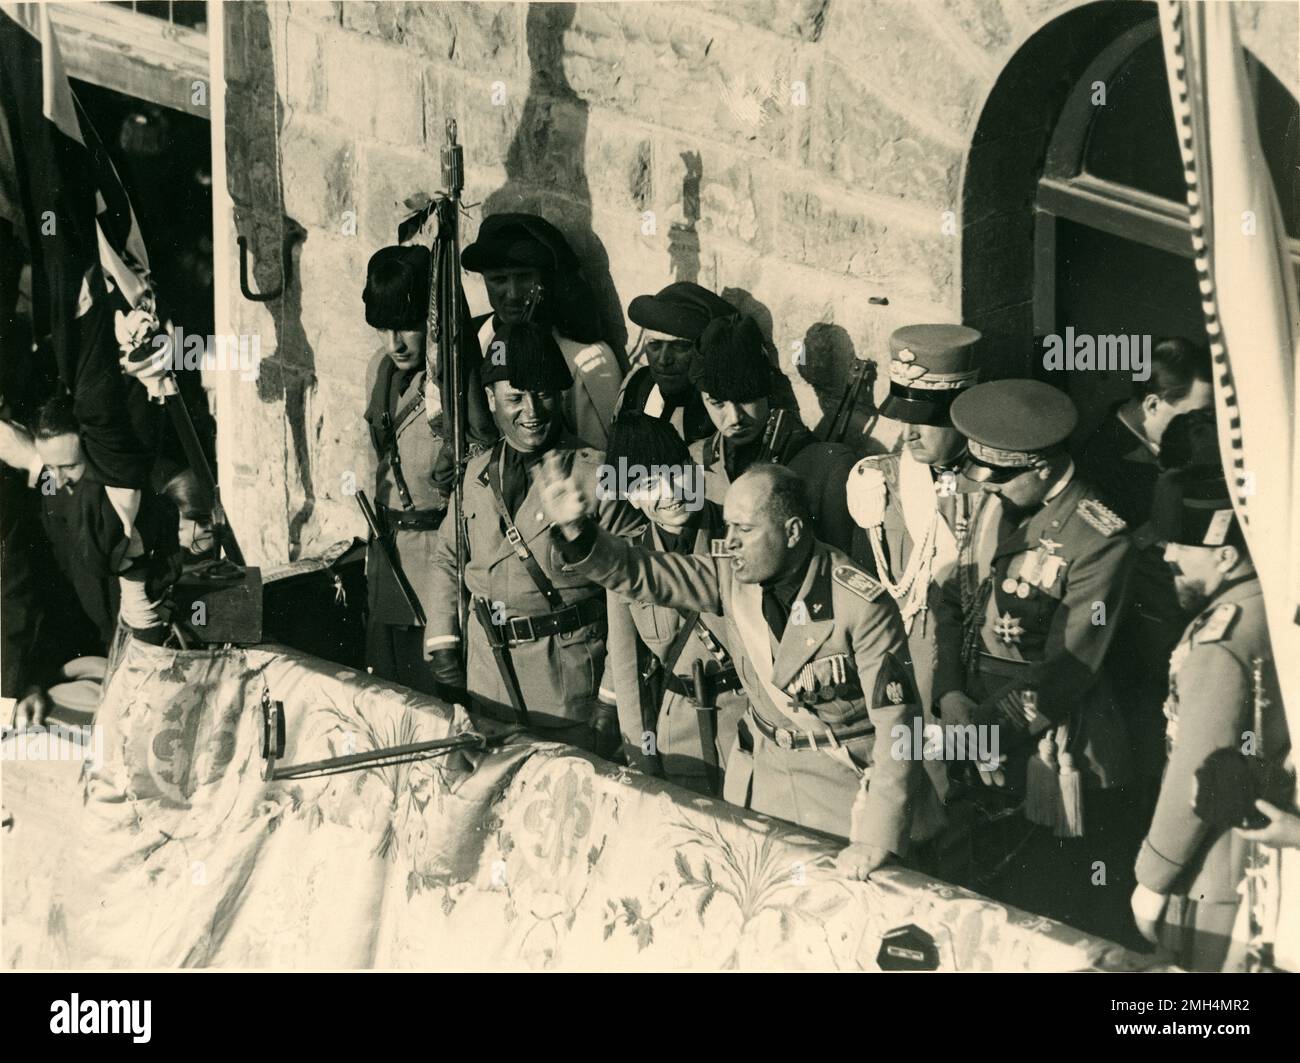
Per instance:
(1248,293)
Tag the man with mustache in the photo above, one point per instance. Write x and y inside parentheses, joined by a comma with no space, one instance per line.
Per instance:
(409,504)
(675,685)
(738,384)
(911,505)
(672,321)
(1029,614)
(818,644)
(1189,871)
(551,622)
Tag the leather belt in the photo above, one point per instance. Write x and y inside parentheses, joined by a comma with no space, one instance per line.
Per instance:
(827,740)
(715,683)
(519,629)
(413,519)
(1001,666)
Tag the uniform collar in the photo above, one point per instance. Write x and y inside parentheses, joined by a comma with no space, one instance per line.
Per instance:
(786,586)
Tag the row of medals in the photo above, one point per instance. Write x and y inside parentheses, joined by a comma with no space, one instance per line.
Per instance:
(1040,569)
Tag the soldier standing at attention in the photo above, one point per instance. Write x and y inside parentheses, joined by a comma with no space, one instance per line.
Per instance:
(1190,870)
(528,267)
(911,505)
(550,623)
(1030,612)
(671,322)
(409,505)
(819,646)
(737,381)
(668,671)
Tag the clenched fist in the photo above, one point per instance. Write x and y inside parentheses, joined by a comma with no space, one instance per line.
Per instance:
(563,498)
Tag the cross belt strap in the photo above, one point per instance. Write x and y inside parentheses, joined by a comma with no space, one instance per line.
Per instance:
(391,426)
(564,621)
(516,540)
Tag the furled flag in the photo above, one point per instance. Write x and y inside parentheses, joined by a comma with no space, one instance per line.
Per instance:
(70,215)
(1248,295)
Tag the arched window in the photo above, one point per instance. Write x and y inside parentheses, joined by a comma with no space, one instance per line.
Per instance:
(1097,237)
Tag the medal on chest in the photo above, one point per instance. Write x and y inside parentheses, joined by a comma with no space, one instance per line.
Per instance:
(1170,707)
(1041,569)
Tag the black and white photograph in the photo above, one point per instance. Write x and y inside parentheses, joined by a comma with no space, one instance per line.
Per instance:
(651,487)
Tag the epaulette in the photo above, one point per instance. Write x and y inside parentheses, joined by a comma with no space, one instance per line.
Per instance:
(1217,623)
(1100,517)
(866,494)
(857,581)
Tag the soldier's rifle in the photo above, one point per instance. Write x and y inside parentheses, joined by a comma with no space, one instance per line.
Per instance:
(390,556)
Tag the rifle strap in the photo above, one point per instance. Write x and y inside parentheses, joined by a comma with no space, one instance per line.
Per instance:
(513,536)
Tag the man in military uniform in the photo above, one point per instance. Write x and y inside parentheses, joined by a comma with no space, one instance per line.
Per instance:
(672,321)
(409,505)
(819,646)
(1031,607)
(667,671)
(911,505)
(1223,695)
(737,381)
(550,623)
(1123,457)
(529,270)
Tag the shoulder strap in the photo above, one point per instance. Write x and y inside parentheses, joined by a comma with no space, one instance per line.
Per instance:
(514,538)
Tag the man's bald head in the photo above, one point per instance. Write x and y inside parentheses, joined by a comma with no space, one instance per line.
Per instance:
(778,493)
(768,521)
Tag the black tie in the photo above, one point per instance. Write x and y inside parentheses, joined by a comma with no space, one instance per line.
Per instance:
(514,478)
(775,613)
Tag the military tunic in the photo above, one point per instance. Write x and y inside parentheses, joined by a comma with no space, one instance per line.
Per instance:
(691,743)
(1030,613)
(824,698)
(1210,706)
(824,468)
(399,426)
(922,523)
(559,674)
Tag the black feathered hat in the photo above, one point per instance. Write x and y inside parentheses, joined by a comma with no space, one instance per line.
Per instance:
(397,288)
(644,440)
(732,366)
(527,355)
(519,240)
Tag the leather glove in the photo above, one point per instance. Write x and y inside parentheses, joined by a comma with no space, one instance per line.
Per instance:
(448,676)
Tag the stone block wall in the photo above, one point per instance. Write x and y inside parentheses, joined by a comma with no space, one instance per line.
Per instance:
(804,157)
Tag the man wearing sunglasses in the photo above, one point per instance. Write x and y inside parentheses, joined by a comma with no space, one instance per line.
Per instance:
(1030,612)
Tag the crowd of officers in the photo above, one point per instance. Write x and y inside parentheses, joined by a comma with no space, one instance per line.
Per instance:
(760,617)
